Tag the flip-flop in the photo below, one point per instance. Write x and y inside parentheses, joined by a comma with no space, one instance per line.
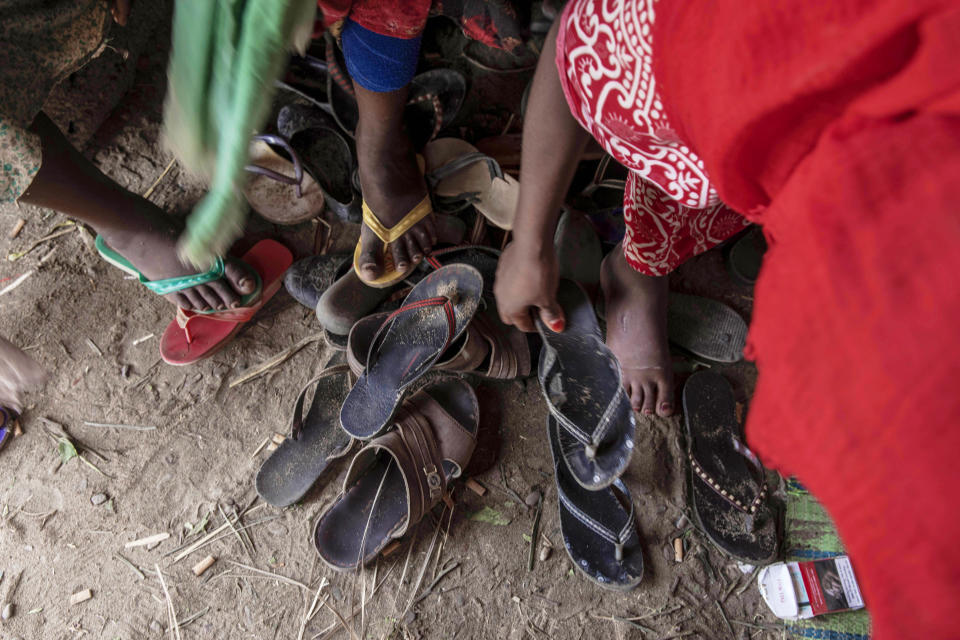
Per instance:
(326,155)
(578,249)
(599,532)
(708,329)
(745,256)
(727,483)
(408,343)
(308,278)
(278,188)
(194,336)
(581,380)
(314,441)
(173,285)
(458,173)
(397,478)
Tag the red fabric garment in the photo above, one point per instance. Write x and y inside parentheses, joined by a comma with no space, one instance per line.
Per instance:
(671,210)
(396,18)
(837,126)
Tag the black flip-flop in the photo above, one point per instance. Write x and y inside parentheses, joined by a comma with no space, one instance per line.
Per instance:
(309,277)
(433,315)
(706,328)
(578,249)
(581,381)
(326,154)
(599,532)
(727,481)
(314,442)
(396,479)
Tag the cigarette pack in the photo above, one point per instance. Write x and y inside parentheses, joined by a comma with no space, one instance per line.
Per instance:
(798,590)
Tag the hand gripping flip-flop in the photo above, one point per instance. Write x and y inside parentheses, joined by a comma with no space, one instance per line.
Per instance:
(598,527)
(314,442)
(408,343)
(726,479)
(192,336)
(581,381)
(397,478)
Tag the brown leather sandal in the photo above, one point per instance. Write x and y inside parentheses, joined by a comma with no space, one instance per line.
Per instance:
(487,348)
(396,479)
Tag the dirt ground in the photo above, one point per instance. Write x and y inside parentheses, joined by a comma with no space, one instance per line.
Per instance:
(64,527)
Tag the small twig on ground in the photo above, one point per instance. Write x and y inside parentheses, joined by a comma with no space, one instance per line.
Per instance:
(258,370)
(142,339)
(131,565)
(270,574)
(533,535)
(243,543)
(130,427)
(436,580)
(749,581)
(629,621)
(724,616)
(765,627)
(19,254)
(171,612)
(506,487)
(194,617)
(16,283)
(152,187)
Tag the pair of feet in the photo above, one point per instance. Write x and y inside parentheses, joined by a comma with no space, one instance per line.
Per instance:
(636,310)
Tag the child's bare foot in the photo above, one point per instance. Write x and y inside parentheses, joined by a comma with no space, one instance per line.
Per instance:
(636,307)
(149,242)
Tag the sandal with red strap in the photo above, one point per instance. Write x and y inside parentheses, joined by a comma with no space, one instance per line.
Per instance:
(408,343)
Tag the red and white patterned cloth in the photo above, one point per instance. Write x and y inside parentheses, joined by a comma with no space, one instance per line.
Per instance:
(671,210)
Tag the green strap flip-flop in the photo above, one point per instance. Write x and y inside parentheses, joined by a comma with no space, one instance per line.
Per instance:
(173,285)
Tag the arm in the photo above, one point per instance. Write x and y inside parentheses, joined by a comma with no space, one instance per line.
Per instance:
(552,144)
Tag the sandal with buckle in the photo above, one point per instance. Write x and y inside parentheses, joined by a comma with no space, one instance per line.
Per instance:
(397,478)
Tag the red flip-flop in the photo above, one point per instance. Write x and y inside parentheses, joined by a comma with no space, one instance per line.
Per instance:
(194,336)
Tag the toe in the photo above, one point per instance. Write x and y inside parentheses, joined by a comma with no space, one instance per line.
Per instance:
(413,249)
(227,296)
(197,303)
(210,297)
(665,398)
(649,398)
(239,277)
(635,391)
(370,260)
(400,257)
(422,238)
(179,299)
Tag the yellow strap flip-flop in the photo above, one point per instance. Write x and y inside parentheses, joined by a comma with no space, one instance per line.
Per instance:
(388,235)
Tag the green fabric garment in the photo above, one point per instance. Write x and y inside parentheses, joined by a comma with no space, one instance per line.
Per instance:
(226,56)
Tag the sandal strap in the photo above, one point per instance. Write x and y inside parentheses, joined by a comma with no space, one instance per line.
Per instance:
(460,162)
(297,178)
(390,234)
(618,538)
(173,285)
(707,479)
(590,441)
(434,101)
(424,430)
(380,335)
(296,420)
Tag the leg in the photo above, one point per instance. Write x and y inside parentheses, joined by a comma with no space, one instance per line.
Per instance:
(390,178)
(135,227)
(636,307)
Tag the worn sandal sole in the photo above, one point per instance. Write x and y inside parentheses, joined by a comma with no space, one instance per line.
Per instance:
(706,328)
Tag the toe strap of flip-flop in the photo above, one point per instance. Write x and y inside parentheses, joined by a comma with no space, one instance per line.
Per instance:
(390,234)
(173,285)
(750,507)
(591,441)
(611,532)
(296,179)
(425,436)
(457,164)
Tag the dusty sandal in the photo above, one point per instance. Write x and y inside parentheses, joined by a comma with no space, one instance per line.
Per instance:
(314,441)
(708,329)
(279,190)
(726,479)
(396,479)
(599,533)
(309,277)
(408,343)
(581,381)
(193,336)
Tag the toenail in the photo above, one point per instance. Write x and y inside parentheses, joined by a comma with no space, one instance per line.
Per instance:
(665,406)
(648,412)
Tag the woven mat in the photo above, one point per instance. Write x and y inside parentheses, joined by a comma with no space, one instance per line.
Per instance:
(810,535)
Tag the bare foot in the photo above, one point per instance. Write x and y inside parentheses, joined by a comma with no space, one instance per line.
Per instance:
(149,242)
(392,185)
(636,307)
